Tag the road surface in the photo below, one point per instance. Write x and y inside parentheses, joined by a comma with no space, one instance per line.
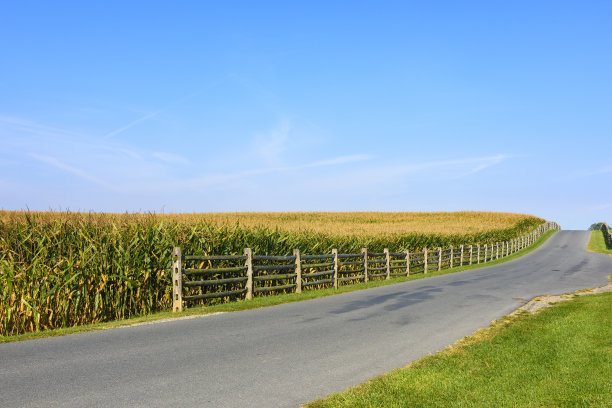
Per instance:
(289,354)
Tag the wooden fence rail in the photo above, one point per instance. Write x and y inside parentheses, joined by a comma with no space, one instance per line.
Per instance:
(607,234)
(232,277)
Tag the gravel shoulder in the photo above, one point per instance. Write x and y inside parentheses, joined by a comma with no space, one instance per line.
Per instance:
(546,301)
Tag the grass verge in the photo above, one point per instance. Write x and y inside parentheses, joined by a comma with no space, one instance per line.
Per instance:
(558,357)
(261,301)
(597,243)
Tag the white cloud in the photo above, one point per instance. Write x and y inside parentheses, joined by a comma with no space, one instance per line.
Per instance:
(271,145)
(340,160)
(590,173)
(171,158)
(73,170)
(599,207)
(131,124)
(147,117)
(36,128)
(440,169)
(603,170)
(486,163)
(221,178)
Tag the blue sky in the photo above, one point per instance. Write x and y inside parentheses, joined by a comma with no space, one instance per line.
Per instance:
(309,106)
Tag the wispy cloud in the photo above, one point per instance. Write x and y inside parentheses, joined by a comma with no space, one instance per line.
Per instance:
(147,117)
(447,169)
(73,170)
(35,128)
(599,207)
(271,145)
(485,162)
(131,124)
(171,158)
(58,136)
(603,170)
(336,161)
(339,160)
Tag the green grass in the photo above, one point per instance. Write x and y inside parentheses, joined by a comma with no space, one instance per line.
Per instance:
(262,301)
(597,243)
(558,357)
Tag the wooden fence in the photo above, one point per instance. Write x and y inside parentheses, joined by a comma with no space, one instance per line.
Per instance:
(607,234)
(233,277)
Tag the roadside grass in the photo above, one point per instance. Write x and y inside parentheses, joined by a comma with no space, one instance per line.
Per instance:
(259,302)
(557,357)
(597,243)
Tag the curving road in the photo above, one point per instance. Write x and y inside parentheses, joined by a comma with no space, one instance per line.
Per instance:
(285,355)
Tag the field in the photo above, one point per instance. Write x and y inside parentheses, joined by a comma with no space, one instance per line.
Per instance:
(67,269)
(341,223)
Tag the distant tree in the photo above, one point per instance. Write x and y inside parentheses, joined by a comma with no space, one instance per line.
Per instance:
(596,226)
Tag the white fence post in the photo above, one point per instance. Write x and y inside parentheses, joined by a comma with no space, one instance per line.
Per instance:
(425,260)
(298,271)
(364,251)
(177,280)
(388,262)
(451,257)
(249,265)
(335,254)
(407,263)
(439,258)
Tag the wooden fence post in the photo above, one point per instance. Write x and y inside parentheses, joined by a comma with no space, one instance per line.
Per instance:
(497,250)
(335,254)
(451,257)
(471,253)
(298,271)
(177,280)
(425,260)
(249,265)
(387,262)
(461,257)
(485,254)
(439,259)
(364,251)
(478,253)
(407,263)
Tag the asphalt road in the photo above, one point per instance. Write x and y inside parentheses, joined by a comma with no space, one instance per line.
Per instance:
(285,355)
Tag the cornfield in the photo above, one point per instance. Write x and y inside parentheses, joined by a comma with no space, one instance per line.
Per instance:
(67,269)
